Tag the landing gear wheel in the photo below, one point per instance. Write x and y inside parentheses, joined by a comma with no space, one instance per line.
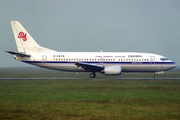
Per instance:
(92,75)
(155,76)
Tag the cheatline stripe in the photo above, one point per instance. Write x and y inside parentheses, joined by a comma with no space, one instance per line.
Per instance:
(31,62)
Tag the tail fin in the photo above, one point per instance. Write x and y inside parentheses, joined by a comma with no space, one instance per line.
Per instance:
(25,43)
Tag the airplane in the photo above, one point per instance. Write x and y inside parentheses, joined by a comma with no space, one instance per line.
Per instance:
(107,63)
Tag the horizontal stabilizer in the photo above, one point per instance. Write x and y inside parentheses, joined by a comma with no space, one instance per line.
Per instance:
(16,53)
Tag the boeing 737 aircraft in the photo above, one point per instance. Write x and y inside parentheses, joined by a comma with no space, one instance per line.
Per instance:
(108,63)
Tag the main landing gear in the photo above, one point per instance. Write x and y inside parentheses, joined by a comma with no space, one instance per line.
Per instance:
(92,75)
(155,76)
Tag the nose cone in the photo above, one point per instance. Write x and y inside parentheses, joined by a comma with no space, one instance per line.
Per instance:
(168,65)
(173,65)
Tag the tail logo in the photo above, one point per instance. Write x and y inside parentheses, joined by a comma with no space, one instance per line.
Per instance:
(22,35)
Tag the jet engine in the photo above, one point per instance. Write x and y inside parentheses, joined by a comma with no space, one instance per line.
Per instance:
(112,70)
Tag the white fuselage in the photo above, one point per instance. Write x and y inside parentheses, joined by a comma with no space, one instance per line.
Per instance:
(129,61)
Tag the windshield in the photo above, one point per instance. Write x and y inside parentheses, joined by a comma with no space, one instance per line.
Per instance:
(164,59)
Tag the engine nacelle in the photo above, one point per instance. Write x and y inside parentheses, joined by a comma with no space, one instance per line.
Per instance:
(112,70)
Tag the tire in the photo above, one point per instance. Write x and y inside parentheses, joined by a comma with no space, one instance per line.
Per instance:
(92,75)
(155,76)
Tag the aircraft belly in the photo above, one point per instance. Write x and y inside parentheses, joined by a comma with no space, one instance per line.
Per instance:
(141,68)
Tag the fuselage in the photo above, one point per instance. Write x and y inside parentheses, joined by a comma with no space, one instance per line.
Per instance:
(129,61)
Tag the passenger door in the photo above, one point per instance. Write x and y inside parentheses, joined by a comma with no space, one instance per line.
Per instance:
(152,60)
(44,59)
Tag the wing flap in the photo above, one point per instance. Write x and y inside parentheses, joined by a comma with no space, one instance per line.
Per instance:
(19,54)
(89,67)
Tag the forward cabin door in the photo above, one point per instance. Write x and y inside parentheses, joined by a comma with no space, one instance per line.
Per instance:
(152,60)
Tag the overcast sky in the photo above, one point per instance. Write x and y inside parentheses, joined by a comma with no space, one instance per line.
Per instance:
(151,26)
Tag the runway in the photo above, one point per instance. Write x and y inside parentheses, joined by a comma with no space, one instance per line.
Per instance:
(73,78)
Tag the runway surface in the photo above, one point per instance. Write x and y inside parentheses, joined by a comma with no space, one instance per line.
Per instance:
(89,78)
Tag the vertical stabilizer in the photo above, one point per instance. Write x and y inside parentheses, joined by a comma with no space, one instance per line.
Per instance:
(25,43)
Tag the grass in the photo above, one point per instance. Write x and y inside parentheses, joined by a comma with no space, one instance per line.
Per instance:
(35,72)
(99,99)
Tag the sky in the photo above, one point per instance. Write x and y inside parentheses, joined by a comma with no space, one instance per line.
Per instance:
(150,26)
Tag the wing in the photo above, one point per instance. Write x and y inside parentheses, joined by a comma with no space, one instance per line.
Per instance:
(16,53)
(90,67)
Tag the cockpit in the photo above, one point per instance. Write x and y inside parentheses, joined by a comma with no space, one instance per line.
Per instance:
(164,59)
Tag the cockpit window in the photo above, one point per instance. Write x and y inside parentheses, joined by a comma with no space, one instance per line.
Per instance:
(164,59)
